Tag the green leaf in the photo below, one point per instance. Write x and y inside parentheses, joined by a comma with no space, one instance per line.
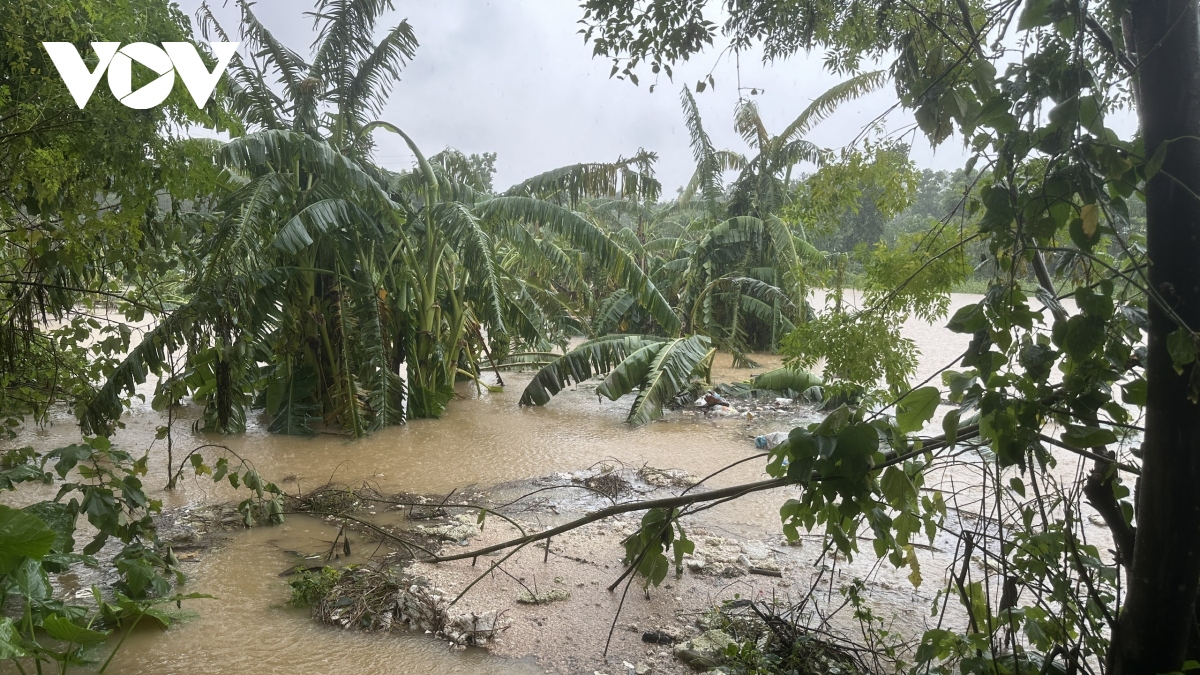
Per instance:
(68,457)
(631,372)
(10,640)
(1135,392)
(968,319)
(898,488)
(1182,348)
(1017,485)
(917,408)
(804,452)
(32,581)
(1080,335)
(1088,437)
(1035,14)
(950,426)
(22,536)
(61,628)
(674,368)
(589,359)
(1154,164)
(61,519)
(856,446)
(620,265)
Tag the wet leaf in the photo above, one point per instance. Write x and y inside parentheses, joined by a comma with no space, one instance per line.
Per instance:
(917,408)
(1089,216)
(63,629)
(22,535)
(1088,437)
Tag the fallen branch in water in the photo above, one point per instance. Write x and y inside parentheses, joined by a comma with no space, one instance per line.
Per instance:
(665,502)
(685,499)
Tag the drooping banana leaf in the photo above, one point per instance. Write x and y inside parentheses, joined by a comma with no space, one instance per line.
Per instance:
(584,235)
(613,310)
(592,358)
(100,415)
(629,179)
(631,373)
(660,374)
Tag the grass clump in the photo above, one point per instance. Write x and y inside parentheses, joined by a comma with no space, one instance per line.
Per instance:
(311,586)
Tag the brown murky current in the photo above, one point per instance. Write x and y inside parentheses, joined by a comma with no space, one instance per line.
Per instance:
(482,440)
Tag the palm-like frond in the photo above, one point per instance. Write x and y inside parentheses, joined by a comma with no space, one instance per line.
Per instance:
(345,33)
(826,103)
(290,67)
(315,219)
(761,299)
(709,164)
(290,397)
(465,235)
(613,310)
(628,179)
(587,360)
(100,414)
(795,152)
(748,123)
(369,86)
(251,97)
(660,372)
(620,266)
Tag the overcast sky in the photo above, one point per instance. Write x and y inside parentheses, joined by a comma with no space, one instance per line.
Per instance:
(514,77)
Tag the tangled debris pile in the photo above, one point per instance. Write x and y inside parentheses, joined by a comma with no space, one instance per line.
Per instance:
(748,636)
(666,477)
(368,599)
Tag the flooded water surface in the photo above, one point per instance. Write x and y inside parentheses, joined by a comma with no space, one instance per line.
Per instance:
(483,440)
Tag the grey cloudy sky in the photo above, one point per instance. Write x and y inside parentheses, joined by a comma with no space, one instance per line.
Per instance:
(514,77)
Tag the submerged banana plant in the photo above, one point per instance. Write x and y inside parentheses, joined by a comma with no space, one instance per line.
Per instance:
(659,369)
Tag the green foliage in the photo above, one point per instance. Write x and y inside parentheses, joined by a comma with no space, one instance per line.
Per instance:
(1059,201)
(91,217)
(311,586)
(859,348)
(660,375)
(102,484)
(587,360)
(646,550)
(320,275)
(849,200)
(660,369)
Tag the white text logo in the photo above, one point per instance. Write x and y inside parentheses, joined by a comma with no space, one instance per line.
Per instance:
(171,58)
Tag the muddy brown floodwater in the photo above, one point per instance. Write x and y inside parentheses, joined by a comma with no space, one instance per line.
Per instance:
(483,440)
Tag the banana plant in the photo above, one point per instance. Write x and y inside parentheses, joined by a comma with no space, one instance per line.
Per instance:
(742,236)
(330,291)
(659,369)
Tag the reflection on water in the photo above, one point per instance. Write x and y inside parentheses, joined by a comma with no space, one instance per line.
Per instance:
(483,440)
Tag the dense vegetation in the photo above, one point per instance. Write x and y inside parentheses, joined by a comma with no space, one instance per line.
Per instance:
(284,274)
